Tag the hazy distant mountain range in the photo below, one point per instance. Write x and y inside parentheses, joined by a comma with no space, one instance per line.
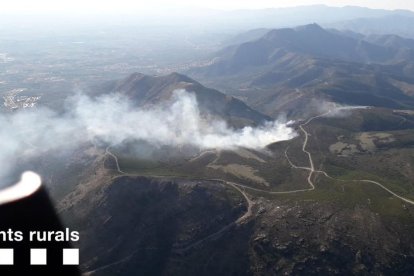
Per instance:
(398,23)
(288,67)
(353,18)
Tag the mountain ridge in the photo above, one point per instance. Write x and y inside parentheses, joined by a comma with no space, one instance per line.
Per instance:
(144,90)
(286,68)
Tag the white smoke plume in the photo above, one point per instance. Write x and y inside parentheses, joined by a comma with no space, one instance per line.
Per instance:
(113,120)
(336,110)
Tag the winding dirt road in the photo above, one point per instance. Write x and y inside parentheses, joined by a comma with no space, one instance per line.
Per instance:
(305,143)
(250,203)
(118,168)
(312,170)
(369,181)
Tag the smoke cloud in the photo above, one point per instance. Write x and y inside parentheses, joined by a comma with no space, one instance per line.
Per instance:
(113,120)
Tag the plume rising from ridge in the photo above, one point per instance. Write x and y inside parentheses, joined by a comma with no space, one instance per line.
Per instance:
(113,120)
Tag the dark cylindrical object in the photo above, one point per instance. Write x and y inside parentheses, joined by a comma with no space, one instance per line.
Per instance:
(25,208)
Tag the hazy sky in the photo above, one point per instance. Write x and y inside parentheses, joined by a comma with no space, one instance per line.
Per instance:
(130,6)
